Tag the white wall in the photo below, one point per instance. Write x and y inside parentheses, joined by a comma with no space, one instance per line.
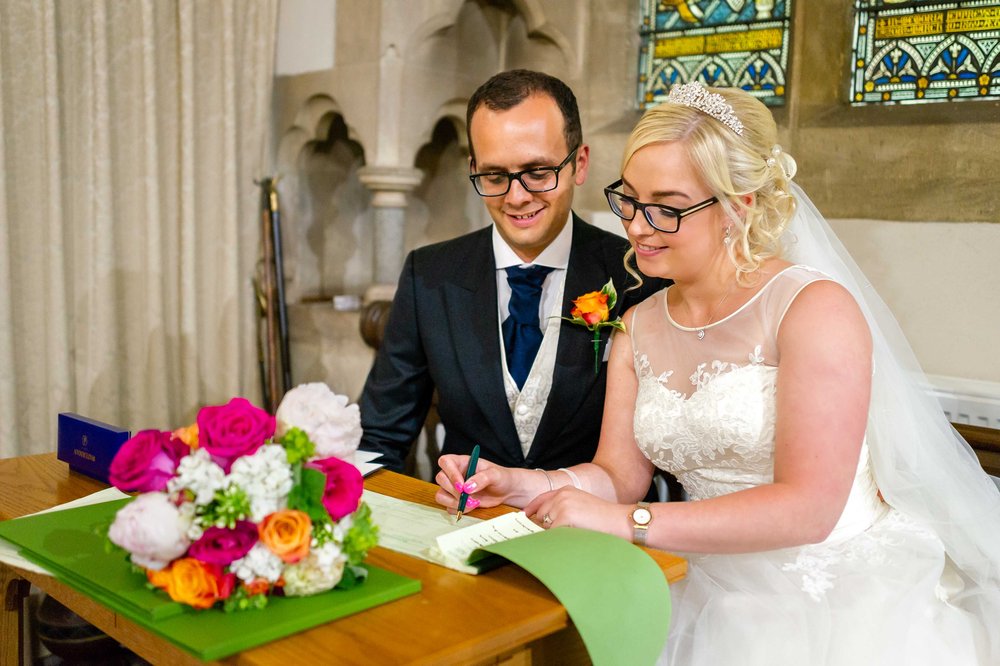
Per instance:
(942,281)
(305,36)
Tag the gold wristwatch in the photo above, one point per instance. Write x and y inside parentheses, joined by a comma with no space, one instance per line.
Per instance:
(641,518)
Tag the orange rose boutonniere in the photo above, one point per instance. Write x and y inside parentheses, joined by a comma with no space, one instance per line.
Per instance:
(592,311)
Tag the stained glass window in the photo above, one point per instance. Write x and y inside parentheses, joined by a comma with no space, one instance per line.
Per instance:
(736,43)
(915,51)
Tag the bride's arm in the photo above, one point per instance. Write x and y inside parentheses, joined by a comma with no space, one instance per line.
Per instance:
(823,390)
(619,473)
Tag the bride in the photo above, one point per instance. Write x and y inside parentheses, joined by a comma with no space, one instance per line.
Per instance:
(837,517)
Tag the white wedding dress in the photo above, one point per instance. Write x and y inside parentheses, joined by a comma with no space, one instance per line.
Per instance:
(879,590)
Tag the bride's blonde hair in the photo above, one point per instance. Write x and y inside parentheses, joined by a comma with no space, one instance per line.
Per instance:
(732,165)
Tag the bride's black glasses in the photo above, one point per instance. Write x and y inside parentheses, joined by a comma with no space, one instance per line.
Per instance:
(660,217)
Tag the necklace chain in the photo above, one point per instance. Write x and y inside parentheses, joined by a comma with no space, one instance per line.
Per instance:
(715,310)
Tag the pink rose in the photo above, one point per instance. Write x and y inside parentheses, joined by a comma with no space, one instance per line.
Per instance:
(233,430)
(146,461)
(344,484)
(221,545)
(152,529)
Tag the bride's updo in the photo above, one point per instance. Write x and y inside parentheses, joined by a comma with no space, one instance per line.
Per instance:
(731,163)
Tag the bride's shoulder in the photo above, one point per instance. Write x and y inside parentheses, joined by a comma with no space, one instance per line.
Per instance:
(644,309)
(821,308)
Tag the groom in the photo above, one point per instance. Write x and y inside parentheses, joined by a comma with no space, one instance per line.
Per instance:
(477,317)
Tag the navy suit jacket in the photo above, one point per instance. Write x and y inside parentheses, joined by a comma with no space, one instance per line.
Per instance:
(443,333)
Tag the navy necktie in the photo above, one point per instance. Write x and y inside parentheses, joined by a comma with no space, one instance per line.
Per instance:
(522,335)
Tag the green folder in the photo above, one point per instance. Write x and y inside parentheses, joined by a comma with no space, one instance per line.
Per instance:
(616,594)
(71,545)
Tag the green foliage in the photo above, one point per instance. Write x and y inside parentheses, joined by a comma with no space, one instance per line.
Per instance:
(307,493)
(298,446)
(227,507)
(353,576)
(240,600)
(612,293)
(362,537)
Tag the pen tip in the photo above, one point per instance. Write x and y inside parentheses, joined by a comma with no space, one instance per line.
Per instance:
(458,516)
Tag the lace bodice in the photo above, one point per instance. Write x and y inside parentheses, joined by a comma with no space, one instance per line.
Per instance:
(705,409)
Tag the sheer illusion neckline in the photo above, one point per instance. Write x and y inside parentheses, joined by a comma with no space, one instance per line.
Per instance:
(750,301)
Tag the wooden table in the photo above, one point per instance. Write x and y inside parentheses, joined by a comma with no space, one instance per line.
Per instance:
(504,616)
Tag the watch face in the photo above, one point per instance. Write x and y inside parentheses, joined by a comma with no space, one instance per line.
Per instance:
(641,516)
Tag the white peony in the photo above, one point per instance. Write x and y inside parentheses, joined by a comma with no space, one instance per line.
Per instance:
(333,425)
(318,572)
(152,529)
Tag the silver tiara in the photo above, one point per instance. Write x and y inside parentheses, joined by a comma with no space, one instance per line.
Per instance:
(696,96)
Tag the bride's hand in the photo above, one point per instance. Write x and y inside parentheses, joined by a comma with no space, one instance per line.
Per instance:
(576,508)
(489,486)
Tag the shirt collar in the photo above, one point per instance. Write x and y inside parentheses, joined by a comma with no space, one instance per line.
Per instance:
(556,255)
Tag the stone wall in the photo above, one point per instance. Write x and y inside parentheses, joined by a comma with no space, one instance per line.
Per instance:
(911,188)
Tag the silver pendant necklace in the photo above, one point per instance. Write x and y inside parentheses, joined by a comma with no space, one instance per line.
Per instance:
(711,318)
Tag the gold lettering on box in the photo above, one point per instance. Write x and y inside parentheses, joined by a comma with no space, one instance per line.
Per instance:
(85,455)
(928,23)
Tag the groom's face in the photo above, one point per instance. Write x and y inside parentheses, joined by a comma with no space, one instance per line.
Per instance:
(526,136)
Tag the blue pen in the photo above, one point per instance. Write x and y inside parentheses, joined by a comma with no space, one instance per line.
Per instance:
(464,497)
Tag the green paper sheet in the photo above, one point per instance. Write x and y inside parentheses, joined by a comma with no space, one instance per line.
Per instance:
(71,545)
(616,594)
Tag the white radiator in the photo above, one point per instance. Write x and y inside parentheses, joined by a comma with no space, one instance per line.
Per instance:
(969,401)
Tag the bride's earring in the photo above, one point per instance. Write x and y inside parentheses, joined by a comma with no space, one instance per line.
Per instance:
(728,238)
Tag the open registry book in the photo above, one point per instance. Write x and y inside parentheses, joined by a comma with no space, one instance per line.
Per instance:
(433,535)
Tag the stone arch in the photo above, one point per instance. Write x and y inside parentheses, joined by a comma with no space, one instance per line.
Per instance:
(324,205)
(448,55)
(312,122)
(536,22)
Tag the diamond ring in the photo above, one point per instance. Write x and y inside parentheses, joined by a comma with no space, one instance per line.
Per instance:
(546,519)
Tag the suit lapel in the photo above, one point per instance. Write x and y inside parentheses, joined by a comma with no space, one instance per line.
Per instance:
(573,376)
(471,308)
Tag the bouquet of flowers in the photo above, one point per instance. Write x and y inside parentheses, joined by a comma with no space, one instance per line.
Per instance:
(241,505)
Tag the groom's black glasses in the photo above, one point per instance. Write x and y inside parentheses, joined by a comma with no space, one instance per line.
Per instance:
(536,179)
(662,218)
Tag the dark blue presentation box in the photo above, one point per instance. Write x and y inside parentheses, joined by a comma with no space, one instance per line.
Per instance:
(88,445)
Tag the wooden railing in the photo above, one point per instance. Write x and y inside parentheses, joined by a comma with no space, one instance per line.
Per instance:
(985,442)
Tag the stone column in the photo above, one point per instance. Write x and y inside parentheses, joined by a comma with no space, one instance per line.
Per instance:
(389,186)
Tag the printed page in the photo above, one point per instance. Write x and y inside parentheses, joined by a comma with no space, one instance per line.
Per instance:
(457,546)
(412,529)
(432,534)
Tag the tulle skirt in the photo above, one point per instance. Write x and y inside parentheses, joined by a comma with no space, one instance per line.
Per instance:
(886,596)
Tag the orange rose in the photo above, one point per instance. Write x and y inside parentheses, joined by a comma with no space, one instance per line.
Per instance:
(160,579)
(257,586)
(190,581)
(286,534)
(591,307)
(188,435)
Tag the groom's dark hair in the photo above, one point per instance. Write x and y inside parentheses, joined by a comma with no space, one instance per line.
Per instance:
(508,89)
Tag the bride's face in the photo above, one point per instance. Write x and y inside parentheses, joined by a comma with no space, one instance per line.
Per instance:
(661,173)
